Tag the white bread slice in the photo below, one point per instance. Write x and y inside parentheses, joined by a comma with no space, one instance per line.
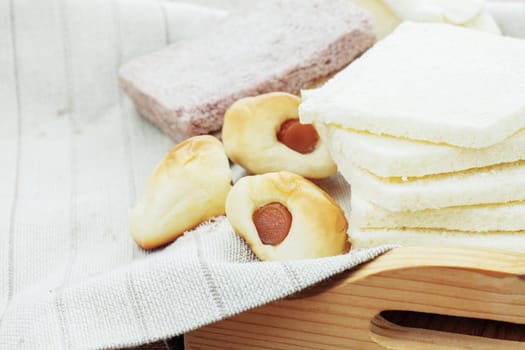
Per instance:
(265,46)
(388,156)
(480,218)
(496,184)
(431,82)
(512,241)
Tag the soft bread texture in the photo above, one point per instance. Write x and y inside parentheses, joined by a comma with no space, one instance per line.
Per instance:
(387,156)
(496,184)
(388,14)
(250,138)
(319,227)
(272,45)
(477,218)
(188,187)
(512,241)
(431,82)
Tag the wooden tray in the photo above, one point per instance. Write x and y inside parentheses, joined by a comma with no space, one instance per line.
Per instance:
(462,288)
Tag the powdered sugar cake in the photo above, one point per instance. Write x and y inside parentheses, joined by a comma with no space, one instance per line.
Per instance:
(272,46)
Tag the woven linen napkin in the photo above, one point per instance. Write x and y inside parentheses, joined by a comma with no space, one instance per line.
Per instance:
(74,154)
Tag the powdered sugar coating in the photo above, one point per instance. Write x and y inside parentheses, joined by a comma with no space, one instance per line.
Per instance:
(274,46)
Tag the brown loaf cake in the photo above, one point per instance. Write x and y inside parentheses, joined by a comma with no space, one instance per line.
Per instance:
(273,46)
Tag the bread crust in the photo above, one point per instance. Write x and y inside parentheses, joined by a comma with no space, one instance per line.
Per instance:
(318,229)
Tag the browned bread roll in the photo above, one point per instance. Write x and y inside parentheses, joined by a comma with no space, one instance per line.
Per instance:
(263,134)
(284,216)
(188,187)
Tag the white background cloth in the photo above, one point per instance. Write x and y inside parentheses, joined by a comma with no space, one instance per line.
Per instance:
(74,154)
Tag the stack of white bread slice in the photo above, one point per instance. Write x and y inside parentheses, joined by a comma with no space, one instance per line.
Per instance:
(428,127)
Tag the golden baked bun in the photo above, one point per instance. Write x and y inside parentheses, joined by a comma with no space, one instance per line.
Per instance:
(283,216)
(188,187)
(263,134)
